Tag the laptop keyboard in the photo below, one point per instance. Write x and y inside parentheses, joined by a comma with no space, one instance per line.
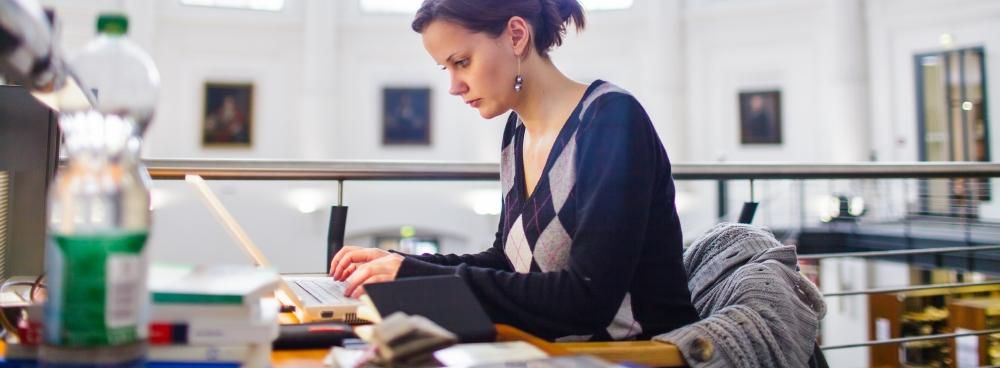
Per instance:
(326,290)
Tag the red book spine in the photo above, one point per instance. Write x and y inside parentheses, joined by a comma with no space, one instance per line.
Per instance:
(167,333)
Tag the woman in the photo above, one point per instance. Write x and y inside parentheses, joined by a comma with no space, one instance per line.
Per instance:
(589,243)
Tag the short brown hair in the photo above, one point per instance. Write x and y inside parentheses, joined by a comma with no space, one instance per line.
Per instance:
(548,18)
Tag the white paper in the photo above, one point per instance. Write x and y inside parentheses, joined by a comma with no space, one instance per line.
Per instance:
(343,358)
(883,330)
(464,355)
(966,349)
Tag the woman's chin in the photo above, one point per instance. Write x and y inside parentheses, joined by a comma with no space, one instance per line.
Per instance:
(488,113)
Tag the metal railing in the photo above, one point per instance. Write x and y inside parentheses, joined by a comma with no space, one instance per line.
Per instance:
(902,340)
(903,252)
(382,170)
(423,170)
(901,289)
(321,170)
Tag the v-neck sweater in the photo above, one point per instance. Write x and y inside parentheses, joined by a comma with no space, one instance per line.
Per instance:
(595,251)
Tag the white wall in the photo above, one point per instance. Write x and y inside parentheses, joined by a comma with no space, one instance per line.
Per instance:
(813,51)
(194,45)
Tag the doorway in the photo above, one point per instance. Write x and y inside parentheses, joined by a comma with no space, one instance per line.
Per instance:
(952,126)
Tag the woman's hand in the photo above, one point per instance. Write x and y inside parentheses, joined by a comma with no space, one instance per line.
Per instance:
(350,257)
(382,269)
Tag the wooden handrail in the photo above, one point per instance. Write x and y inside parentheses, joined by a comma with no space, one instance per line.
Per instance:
(648,353)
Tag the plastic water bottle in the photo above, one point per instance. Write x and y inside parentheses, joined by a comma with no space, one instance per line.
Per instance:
(120,74)
(97,306)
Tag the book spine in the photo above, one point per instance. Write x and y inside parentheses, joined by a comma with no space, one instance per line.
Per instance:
(167,333)
(186,312)
(211,353)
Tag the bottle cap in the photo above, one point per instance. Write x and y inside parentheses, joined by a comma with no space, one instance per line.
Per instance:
(112,23)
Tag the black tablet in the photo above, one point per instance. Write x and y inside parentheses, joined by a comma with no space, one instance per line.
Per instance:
(446,300)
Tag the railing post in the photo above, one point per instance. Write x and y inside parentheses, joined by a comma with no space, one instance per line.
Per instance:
(721,185)
(749,208)
(970,208)
(907,231)
(340,192)
(970,261)
(337,224)
(802,205)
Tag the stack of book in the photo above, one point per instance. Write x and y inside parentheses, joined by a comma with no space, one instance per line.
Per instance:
(212,316)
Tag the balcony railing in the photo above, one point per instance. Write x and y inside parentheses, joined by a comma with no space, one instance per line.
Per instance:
(423,170)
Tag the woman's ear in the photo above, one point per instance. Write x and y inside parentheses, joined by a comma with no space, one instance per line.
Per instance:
(520,34)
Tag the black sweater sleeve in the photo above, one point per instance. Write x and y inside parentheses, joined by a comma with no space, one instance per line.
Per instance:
(425,264)
(616,170)
(417,265)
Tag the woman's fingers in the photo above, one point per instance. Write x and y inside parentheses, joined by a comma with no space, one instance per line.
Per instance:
(383,269)
(349,270)
(340,255)
(358,292)
(352,256)
(358,277)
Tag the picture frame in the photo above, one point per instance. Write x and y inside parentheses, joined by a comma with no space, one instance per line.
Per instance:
(227,115)
(760,117)
(406,116)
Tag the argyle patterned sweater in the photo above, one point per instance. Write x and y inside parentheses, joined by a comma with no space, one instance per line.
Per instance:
(595,252)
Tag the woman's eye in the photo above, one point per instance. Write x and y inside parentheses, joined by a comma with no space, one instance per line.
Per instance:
(462,63)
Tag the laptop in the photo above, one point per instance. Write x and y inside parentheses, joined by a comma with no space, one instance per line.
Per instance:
(315,297)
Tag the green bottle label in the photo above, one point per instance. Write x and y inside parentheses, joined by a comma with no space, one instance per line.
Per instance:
(102,289)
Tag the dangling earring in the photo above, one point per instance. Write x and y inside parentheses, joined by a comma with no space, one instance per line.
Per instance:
(518,80)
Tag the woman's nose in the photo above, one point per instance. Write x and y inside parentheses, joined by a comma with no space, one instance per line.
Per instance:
(458,87)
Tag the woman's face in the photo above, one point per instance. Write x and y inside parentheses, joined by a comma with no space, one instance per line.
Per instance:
(482,68)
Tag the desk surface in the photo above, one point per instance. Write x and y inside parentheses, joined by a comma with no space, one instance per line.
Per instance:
(649,353)
(314,357)
(641,352)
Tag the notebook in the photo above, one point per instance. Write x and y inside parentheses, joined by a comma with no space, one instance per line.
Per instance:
(315,297)
(445,300)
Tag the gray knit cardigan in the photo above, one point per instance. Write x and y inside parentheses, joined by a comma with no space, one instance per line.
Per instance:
(756,309)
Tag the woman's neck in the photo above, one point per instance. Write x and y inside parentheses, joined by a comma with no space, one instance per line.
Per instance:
(547,98)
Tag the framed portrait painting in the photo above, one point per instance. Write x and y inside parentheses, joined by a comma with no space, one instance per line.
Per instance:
(760,117)
(406,116)
(227,118)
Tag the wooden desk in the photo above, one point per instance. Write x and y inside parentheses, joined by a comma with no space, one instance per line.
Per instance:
(298,358)
(651,353)
(314,357)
